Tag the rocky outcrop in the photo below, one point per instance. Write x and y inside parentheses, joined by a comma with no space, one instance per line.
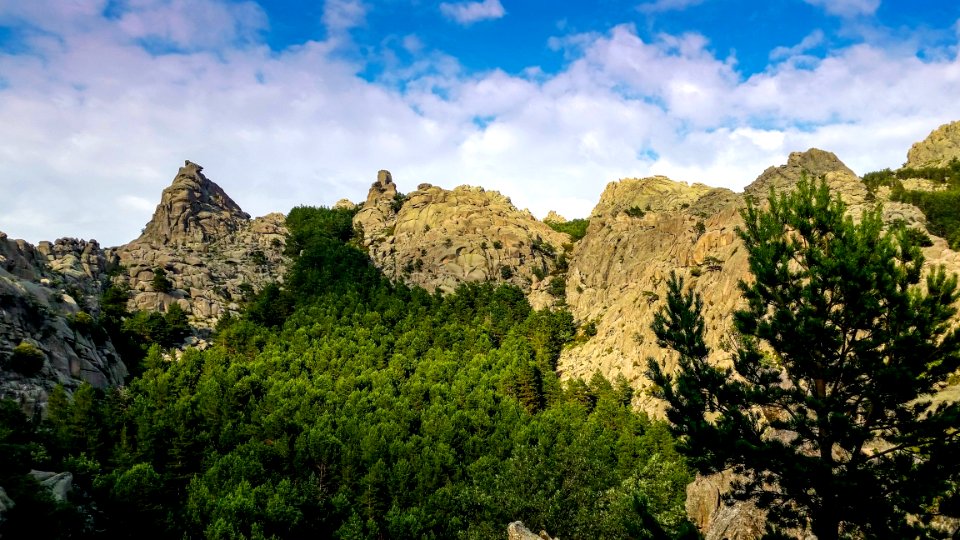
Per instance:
(344,204)
(518,531)
(210,250)
(618,272)
(213,255)
(941,146)
(193,210)
(45,295)
(813,163)
(6,503)
(553,217)
(439,238)
(59,484)
(718,519)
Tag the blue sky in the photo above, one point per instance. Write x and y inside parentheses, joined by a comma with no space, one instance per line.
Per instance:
(301,102)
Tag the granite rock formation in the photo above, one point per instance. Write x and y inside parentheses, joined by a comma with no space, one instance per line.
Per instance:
(941,146)
(211,251)
(44,291)
(439,238)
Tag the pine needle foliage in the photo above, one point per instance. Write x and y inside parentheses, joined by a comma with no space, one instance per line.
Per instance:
(825,415)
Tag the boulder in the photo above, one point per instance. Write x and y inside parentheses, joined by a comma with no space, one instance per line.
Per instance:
(59,484)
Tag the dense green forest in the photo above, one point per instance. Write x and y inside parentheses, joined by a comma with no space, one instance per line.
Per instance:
(343,405)
(939,207)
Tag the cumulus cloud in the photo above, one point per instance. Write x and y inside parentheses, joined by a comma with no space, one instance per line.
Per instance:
(470,12)
(96,122)
(847,8)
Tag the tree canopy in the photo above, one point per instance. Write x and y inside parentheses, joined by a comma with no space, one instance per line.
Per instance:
(343,405)
(825,414)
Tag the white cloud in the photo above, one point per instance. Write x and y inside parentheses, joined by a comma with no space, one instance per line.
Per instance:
(810,41)
(847,8)
(342,15)
(660,6)
(467,13)
(96,127)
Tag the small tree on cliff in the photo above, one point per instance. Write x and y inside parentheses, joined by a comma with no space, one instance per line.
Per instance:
(823,416)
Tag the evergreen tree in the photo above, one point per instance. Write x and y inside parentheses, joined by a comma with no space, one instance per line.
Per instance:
(827,418)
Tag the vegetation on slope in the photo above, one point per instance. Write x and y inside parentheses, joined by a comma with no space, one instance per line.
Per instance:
(346,406)
(939,207)
(576,228)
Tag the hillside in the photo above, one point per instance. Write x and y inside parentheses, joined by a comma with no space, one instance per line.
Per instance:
(320,338)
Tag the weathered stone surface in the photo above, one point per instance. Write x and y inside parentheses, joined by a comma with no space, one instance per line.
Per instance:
(192,210)
(59,484)
(518,531)
(941,146)
(345,204)
(437,238)
(553,217)
(41,289)
(618,272)
(211,251)
(717,519)
(814,163)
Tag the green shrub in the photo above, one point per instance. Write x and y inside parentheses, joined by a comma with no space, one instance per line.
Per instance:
(576,228)
(160,283)
(27,359)
(82,323)
(557,287)
(506,272)
(635,212)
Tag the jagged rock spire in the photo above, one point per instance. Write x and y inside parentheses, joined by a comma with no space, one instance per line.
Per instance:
(193,209)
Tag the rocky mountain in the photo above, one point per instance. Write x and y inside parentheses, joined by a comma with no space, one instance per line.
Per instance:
(941,146)
(203,253)
(208,248)
(210,251)
(439,238)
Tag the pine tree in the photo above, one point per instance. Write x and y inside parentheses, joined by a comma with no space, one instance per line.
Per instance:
(825,415)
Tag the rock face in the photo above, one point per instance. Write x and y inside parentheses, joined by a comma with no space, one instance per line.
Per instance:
(211,251)
(213,255)
(618,272)
(437,238)
(193,210)
(941,146)
(717,520)
(43,292)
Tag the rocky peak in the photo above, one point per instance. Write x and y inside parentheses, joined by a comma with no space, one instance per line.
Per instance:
(656,194)
(382,189)
(942,145)
(553,217)
(344,204)
(439,238)
(814,163)
(193,210)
